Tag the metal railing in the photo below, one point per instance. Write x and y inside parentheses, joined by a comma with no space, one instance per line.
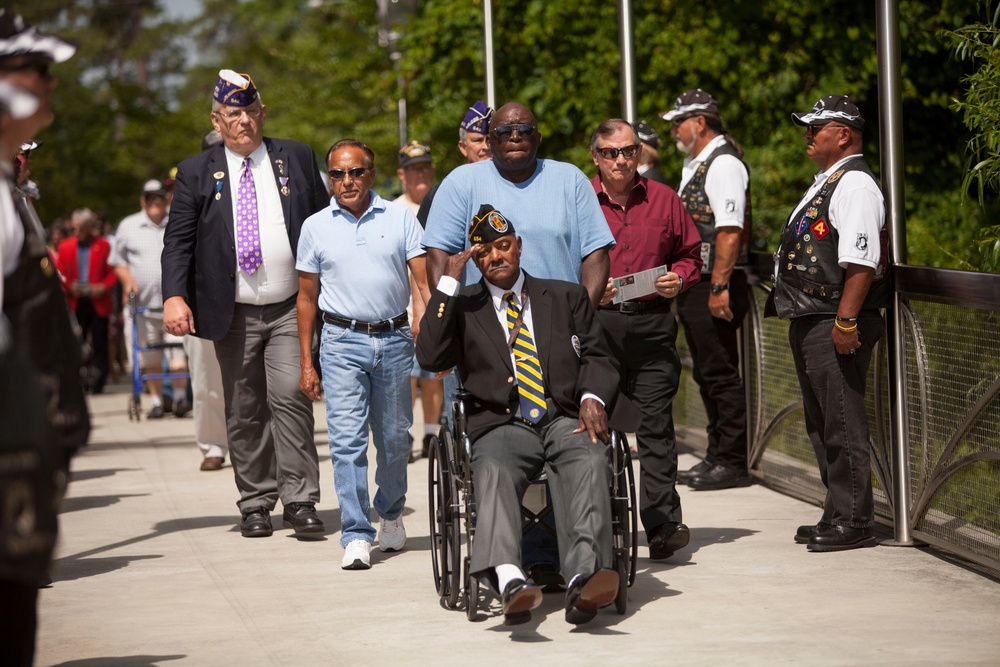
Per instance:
(950,394)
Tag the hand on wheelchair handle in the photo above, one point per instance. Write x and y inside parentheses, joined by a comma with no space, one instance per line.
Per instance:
(593,420)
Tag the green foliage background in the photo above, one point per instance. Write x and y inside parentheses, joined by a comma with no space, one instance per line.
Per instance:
(135,99)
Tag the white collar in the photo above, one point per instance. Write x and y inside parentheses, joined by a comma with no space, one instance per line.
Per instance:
(497,293)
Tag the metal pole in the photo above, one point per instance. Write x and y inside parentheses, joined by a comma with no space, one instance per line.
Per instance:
(891,133)
(627,72)
(491,95)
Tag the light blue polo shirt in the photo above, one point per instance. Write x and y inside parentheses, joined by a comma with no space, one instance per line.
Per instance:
(361,262)
(555,212)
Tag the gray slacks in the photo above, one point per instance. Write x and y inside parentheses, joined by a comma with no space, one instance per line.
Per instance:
(268,418)
(503,463)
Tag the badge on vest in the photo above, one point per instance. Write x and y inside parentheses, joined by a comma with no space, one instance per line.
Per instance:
(820,228)
(801,225)
(576,345)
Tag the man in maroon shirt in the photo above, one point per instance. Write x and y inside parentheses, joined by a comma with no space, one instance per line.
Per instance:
(651,228)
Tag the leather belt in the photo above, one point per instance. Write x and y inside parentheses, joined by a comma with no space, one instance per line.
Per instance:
(367,327)
(632,307)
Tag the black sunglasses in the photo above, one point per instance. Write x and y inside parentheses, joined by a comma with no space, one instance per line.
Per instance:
(613,153)
(355,173)
(523,129)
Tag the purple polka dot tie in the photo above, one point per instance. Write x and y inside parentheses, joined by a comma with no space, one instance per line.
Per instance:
(247,231)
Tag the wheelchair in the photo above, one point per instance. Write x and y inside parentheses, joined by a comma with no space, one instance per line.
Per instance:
(453,514)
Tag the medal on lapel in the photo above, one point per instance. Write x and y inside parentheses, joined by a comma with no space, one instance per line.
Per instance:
(282,177)
(219,175)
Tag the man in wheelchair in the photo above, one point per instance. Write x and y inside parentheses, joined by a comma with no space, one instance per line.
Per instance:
(534,358)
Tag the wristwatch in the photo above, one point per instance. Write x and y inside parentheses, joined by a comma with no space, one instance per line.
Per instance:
(719,288)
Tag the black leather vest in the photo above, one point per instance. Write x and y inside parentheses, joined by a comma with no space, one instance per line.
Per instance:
(696,201)
(810,280)
(40,326)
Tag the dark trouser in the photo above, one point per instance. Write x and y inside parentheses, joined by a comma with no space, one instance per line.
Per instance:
(503,463)
(95,326)
(268,418)
(715,353)
(18,622)
(833,395)
(645,346)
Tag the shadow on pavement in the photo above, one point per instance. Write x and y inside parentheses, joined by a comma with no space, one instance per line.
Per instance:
(77,503)
(85,475)
(121,661)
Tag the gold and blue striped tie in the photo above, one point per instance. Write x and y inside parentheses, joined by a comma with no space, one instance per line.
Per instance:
(530,386)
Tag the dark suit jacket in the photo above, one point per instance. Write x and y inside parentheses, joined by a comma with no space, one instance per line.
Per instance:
(466,333)
(199,247)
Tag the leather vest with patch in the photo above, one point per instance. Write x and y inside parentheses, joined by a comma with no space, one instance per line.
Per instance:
(810,280)
(696,201)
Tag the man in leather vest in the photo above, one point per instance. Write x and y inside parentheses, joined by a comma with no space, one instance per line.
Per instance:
(40,388)
(830,281)
(715,189)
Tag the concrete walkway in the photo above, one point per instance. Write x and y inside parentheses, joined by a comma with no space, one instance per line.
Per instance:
(152,570)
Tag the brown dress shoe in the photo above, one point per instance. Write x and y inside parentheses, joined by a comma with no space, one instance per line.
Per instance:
(213,462)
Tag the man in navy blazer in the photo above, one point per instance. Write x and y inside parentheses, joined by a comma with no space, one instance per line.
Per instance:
(229,276)
(541,373)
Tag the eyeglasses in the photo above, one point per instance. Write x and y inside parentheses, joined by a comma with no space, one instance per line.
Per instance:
(816,129)
(613,153)
(235,114)
(354,172)
(522,129)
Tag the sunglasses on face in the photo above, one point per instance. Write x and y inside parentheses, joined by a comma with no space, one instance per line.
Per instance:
(522,129)
(354,172)
(613,153)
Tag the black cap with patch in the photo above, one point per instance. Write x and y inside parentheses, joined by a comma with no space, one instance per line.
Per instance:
(831,108)
(488,225)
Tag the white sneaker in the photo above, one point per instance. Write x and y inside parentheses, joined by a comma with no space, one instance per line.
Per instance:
(356,555)
(391,534)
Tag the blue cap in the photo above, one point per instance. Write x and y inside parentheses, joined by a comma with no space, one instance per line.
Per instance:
(477,118)
(236,90)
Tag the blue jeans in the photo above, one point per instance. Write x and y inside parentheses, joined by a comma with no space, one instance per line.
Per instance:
(366,378)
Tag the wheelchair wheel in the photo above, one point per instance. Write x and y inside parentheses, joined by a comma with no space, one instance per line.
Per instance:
(633,513)
(621,599)
(439,499)
(133,408)
(471,595)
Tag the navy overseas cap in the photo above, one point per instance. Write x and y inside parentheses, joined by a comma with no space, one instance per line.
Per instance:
(477,118)
(488,225)
(832,108)
(647,134)
(236,90)
(17,102)
(414,153)
(20,38)
(694,102)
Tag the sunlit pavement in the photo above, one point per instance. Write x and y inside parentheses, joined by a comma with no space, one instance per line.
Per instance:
(152,570)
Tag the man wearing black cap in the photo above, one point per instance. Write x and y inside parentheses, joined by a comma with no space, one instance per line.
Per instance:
(652,229)
(830,281)
(229,276)
(649,152)
(715,189)
(532,354)
(40,388)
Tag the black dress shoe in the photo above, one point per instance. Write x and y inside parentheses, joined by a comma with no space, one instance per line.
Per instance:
(719,477)
(302,518)
(805,533)
(685,476)
(841,538)
(256,522)
(668,538)
(519,597)
(547,577)
(586,595)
